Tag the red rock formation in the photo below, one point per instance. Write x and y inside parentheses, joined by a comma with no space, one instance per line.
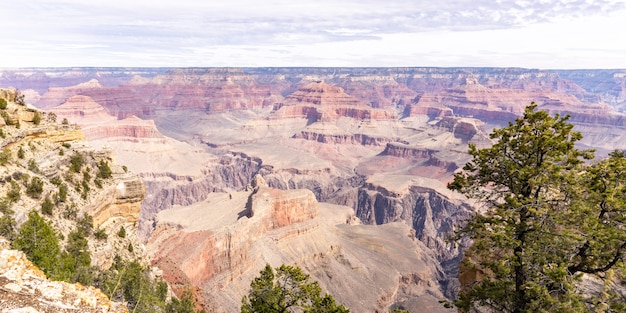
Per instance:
(322,102)
(98,124)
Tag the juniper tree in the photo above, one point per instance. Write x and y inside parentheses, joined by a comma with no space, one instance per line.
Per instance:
(547,217)
(286,290)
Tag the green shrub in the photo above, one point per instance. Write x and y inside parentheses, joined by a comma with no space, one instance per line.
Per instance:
(76,162)
(32,166)
(14,192)
(47,206)
(62,195)
(5,156)
(100,234)
(36,118)
(85,224)
(70,212)
(104,171)
(20,153)
(122,232)
(7,227)
(7,119)
(39,242)
(35,187)
(52,117)
(3,104)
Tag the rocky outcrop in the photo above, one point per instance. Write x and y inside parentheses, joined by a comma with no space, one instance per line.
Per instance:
(25,288)
(97,123)
(323,102)
(464,129)
(343,139)
(242,231)
(431,214)
(122,200)
(427,156)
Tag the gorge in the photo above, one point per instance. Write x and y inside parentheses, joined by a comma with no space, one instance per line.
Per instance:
(340,171)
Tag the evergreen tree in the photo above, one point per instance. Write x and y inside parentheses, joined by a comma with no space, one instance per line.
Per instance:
(104,171)
(39,242)
(36,118)
(542,224)
(47,206)
(287,289)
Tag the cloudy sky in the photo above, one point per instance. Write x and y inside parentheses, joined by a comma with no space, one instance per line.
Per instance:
(184,33)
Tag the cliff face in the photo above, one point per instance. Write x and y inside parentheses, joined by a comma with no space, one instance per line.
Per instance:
(242,231)
(45,161)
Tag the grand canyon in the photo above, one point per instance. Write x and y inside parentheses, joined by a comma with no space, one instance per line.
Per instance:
(339,171)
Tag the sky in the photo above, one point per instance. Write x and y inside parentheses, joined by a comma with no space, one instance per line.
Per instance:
(544,34)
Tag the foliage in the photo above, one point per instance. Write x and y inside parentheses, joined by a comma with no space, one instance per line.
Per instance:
(76,162)
(104,171)
(65,121)
(100,234)
(183,305)
(39,242)
(3,104)
(7,119)
(32,166)
(62,194)
(5,156)
(47,206)
(35,187)
(128,282)
(287,289)
(7,227)
(122,232)
(52,117)
(85,224)
(14,192)
(549,217)
(20,153)
(2,134)
(36,118)
(73,264)
(125,168)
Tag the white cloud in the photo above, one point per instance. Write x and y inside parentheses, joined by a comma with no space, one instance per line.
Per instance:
(546,33)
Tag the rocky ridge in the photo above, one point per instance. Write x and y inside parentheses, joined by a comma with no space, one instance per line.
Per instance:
(41,151)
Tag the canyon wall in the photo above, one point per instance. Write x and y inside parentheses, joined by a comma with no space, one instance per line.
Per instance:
(381,142)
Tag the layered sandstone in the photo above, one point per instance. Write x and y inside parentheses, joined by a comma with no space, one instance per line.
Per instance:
(318,101)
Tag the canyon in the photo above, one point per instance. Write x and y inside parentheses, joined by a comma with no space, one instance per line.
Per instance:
(340,171)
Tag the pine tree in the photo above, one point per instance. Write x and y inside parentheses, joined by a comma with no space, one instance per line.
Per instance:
(39,242)
(548,217)
(285,290)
